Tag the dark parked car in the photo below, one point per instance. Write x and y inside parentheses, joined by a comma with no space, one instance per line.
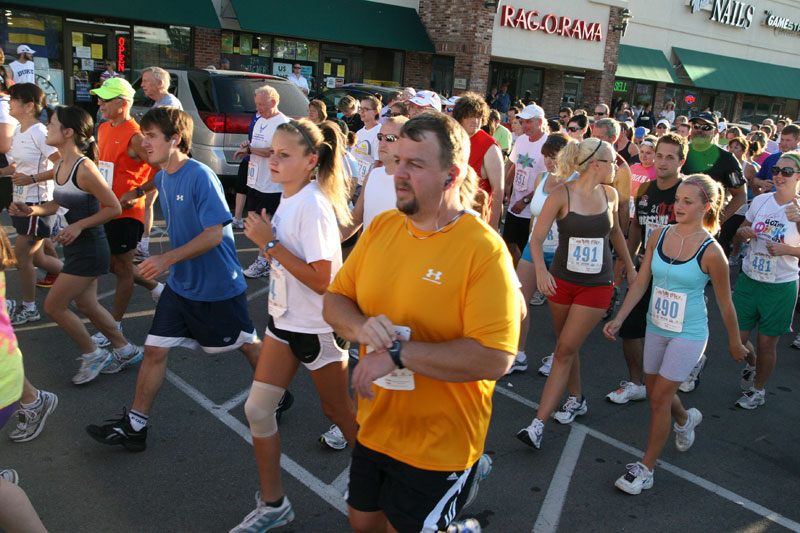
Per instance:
(331,97)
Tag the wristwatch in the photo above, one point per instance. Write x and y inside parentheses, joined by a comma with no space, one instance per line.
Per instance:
(394,353)
(270,245)
(526,200)
(139,192)
(248,150)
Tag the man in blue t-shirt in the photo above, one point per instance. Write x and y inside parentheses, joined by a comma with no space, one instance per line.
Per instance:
(789,138)
(204,302)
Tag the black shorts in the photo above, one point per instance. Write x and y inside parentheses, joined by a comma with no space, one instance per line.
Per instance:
(257,200)
(411,498)
(87,256)
(6,187)
(314,350)
(635,325)
(34,226)
(123,234)
(215,327)
(516,230)
(240,184)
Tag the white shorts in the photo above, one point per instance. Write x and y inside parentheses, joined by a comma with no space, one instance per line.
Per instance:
(671,357)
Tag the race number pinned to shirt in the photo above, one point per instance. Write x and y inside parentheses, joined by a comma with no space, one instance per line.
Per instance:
(667,309)
(365,157)
(522,178)
(252,172)
(585,255)
(399,378)
(762,267)
(19,193)
(107,171)
(278,301)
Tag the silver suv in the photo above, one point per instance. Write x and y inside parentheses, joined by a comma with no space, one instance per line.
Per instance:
(221,104)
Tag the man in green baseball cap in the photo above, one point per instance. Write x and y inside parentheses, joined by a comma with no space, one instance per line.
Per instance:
(114,88)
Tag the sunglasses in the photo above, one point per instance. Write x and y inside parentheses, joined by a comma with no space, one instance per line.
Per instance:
(390,137)
(398,114)
(661,127)
(574,128)
(295,68)
(108,100)
(786,172)
(600,113)
(702,127)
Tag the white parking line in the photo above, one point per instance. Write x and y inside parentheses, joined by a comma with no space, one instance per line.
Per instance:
(550,512)
(236,400)
(683,474)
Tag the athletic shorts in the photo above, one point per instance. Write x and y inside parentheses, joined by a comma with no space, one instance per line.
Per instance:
(87,256)
(635,325)
(526,256)
(256,201)
(672,358)
(123,234)
(516,230)
(570,294)
(314,350)
(240,184)
(215,327)
(35,226)
(411,498)
(770,305)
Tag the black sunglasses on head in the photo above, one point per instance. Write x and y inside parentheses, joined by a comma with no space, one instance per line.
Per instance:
(786,172)
(390,137)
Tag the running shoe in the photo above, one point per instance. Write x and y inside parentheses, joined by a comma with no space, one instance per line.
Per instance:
(141,253)
(237,223)
(613,305)
(638,478)
(30,422)
(11,306)
(796,343)
(748,377)
(23,315)
(547,365)
(284,404)
(334,438)
(484,466)
(100,340)
(520,363)
(258,269)
(10,475)
(684,437)
(119,361)
(538,298)
(532,435)
(91,365)
(571,409)
(752,399)
(470,525)
(691,381)
(119,433)
(47,281)
(626,392)
(263,517)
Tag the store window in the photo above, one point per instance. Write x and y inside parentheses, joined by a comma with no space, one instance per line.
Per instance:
(44,34)
(572,92)
(524,83)
(304,53)
(164,47)
(247,51)
(383,67)
(757,108)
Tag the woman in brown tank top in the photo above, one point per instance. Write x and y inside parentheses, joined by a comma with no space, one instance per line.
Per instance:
(579,284)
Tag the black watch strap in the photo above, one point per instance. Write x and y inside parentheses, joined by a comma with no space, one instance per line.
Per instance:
(394,353)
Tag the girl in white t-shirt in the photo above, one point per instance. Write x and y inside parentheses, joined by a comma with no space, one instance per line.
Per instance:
(302,242)
(31,163)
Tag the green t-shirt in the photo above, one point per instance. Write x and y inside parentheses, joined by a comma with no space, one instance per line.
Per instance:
(503,138)
(722,166)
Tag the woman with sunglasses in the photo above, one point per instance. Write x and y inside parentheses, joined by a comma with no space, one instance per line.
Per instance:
(766,291)
(579,283)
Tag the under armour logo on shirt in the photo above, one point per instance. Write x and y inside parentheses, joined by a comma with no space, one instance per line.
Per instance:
(433,276)
(179,197)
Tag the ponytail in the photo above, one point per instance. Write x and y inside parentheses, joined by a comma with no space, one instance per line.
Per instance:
(7,258)
(82,126)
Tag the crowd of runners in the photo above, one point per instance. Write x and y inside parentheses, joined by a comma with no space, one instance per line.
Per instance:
(406,238)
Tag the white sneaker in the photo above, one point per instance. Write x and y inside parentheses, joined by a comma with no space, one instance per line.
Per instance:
(532,435)
(638,478)
(752,399)
(547,365)
(483,468)
(691,381)
(141,252)
(334,438)
(520,363)
(100,340)
(538,298)
(237,223)
(796,343)
(91,365)
(748,377)
(684,437)
(258,269)
(120,361)
(572,408)
(264,517)
(626,392)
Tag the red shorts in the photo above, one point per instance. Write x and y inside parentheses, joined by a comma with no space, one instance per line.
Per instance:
(570,294)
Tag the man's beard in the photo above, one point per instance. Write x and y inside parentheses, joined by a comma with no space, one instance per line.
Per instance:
(410,207)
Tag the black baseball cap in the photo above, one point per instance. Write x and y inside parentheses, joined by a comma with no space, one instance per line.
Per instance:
(705,116)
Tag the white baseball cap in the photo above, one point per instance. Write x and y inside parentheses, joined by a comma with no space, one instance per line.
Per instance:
(663,121)
(427,99)
(531,111)
(25,49)
(452,100)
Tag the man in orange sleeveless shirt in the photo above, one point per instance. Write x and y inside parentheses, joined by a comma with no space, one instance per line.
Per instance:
(123,165)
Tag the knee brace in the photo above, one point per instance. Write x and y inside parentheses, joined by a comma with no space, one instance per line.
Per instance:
(260,409)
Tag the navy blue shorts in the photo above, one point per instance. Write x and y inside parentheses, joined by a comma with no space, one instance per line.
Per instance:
(215,327)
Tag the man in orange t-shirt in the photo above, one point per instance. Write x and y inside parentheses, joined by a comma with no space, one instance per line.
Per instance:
(123,163)
(430,291)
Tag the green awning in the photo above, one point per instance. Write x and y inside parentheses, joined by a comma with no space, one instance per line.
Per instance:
(178,12)
(348,21)
(711,71)
(644,64)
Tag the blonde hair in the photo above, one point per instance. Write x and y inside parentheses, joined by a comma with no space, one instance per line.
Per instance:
(576,157)
(159,74)
(327,142)
(270,91)
(711,192)
(7,258)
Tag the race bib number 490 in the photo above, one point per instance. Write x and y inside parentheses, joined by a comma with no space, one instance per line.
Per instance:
(585,255)
(667,309)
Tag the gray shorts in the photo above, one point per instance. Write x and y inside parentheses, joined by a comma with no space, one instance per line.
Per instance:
(671,357)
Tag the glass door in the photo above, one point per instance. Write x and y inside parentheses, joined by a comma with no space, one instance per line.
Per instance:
(89,48)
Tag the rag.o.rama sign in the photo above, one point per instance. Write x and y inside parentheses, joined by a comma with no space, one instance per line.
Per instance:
(551,24)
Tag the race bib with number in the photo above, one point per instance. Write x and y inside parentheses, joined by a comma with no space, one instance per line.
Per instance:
(585,255)
(399,378)
(762,267)
(278,301)
(522,179)
(648,230)
(252,173)
(19,192)
(365,164)
(107,171)
(667,309)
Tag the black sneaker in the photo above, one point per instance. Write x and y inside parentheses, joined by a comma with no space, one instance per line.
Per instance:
(119,433)
(286,402)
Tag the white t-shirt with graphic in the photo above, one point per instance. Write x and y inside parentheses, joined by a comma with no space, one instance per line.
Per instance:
(23,72)
(30,152)
(768,220)
(366,150)
(258,173)
(528,163)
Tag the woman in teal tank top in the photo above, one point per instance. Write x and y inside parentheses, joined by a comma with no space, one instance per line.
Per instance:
(680,259)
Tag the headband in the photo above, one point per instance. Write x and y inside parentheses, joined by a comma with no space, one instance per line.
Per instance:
(599,144)
(293,124)
(792,157)
(708,201)
(648,143)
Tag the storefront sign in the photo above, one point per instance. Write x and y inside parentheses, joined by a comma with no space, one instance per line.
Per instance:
(620,86)
(729,12)
(689,99)
(781,23)
(122,54)
(460,83)
(564,26)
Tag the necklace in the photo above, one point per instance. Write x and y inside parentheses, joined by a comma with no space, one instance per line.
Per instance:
(451,221)
(680,250)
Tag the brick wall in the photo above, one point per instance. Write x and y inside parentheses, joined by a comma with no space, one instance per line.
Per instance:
(660,97)
(418,68)
(206,47)
(598,86)
(552,89)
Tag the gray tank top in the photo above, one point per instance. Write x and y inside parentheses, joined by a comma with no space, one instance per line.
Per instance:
(81,204)
(582,245)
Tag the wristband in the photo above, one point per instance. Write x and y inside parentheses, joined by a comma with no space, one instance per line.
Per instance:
(139,192)
(33,178)
(248,150)
(394,353)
